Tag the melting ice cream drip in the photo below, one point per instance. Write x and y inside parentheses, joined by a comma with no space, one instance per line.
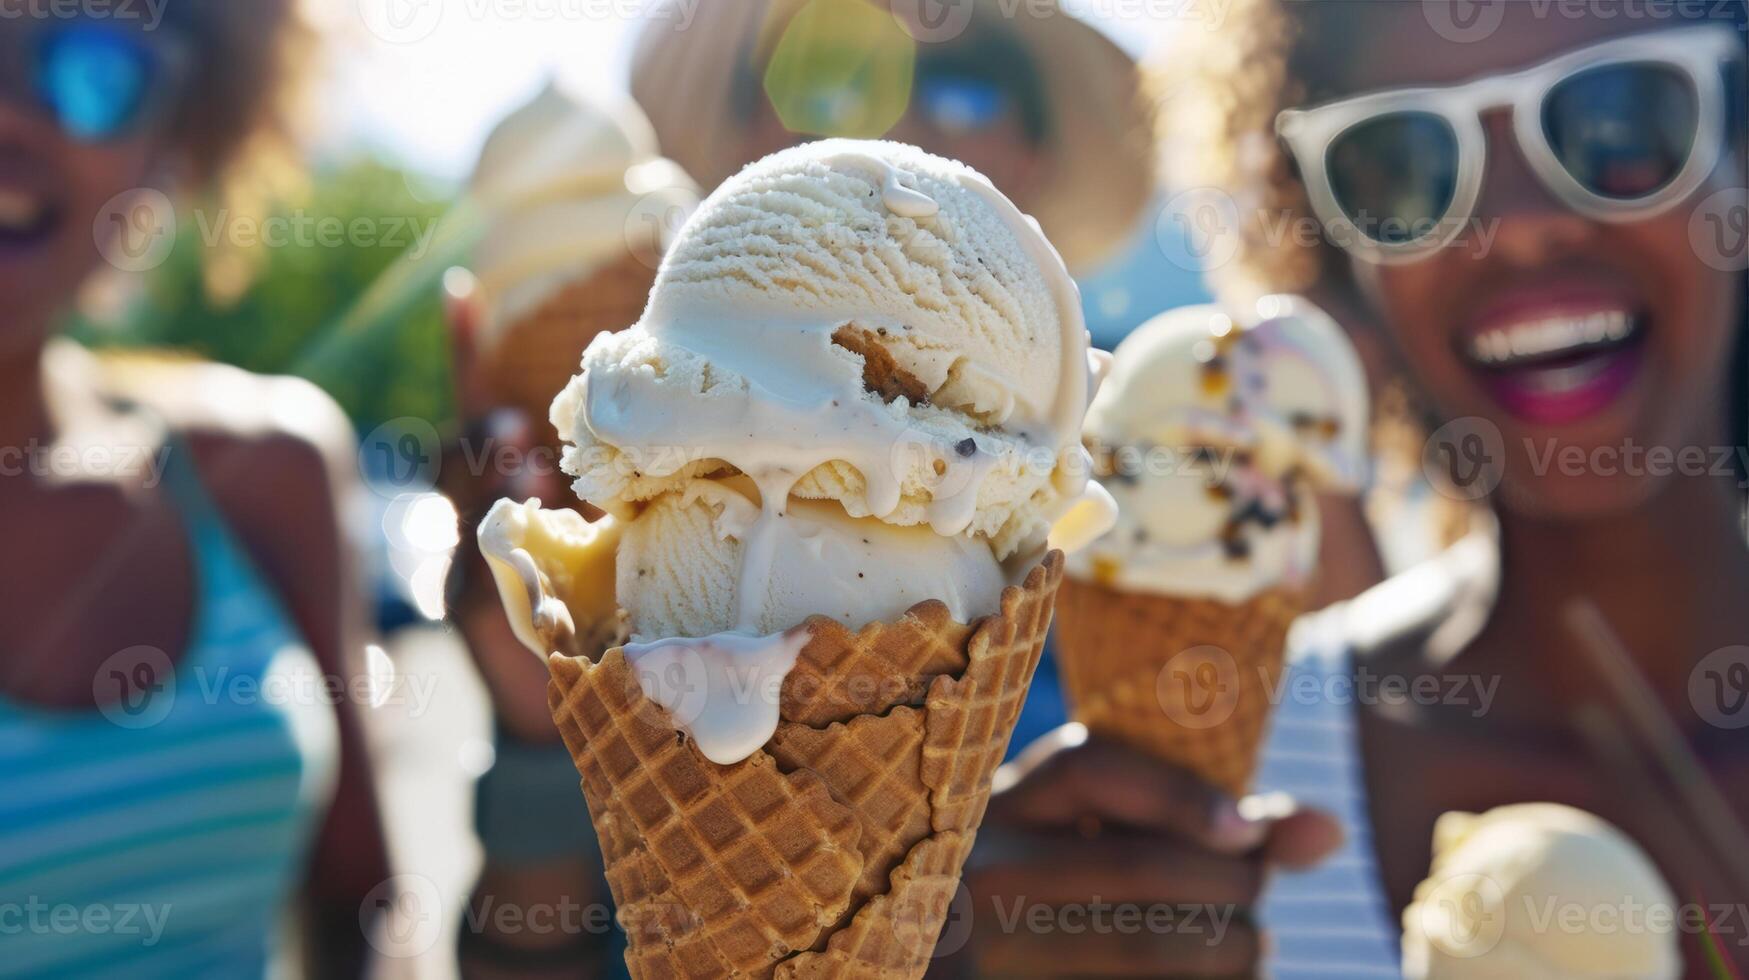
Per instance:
(724,689)
(759,546)
(721,689)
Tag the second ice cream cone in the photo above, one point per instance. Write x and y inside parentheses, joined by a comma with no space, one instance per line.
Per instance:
(1189,681)
(1216,434)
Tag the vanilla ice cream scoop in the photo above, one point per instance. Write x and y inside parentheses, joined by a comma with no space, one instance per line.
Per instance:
(680,566)
(853,321)
(1538,891)
(1212,433)
(565,185)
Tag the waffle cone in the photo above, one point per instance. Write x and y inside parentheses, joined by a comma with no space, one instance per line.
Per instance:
(541,349)
(835,850)
(1190,681)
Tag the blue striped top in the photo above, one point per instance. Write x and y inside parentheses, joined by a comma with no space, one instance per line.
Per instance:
(1332,922)
(163,834)
(1335,921)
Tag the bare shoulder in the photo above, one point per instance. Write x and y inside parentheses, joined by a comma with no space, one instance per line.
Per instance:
(275,453)
(221,405)
(1426,612)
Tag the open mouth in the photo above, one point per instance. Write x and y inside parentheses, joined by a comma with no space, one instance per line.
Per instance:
(1555,363)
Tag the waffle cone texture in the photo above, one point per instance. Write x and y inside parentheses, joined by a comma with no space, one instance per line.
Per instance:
(1189,681)
(835,850)
(540,350)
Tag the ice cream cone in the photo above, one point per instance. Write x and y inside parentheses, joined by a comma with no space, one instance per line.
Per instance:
(835,849)
(1187,680)
(539,352)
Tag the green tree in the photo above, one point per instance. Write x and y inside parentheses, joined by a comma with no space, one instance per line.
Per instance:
(341,287)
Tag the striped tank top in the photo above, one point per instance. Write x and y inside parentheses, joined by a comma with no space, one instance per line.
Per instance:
(1335,922)
(163,834)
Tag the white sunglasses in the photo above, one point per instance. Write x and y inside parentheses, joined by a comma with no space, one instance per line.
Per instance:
(1619,131)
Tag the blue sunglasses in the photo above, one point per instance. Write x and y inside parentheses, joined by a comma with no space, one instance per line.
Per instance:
(959,104)
(99,82)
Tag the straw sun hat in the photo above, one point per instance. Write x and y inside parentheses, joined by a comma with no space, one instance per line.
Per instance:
(692,60)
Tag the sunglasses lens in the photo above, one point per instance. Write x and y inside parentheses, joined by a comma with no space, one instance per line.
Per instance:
(94,80)
(1395,176)
(1623,131)
(961,105)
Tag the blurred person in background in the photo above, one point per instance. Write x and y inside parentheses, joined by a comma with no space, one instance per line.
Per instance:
(576,206)
(1545,258)
(1033,98)
(175,557)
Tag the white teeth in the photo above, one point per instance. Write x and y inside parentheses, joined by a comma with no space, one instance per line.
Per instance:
(1554,335)
(18,211)
(1559,381)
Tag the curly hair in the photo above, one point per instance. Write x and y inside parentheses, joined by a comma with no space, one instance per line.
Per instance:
(242,98)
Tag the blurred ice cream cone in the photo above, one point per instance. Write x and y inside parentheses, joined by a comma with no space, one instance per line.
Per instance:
(1212,435)
(576,207)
